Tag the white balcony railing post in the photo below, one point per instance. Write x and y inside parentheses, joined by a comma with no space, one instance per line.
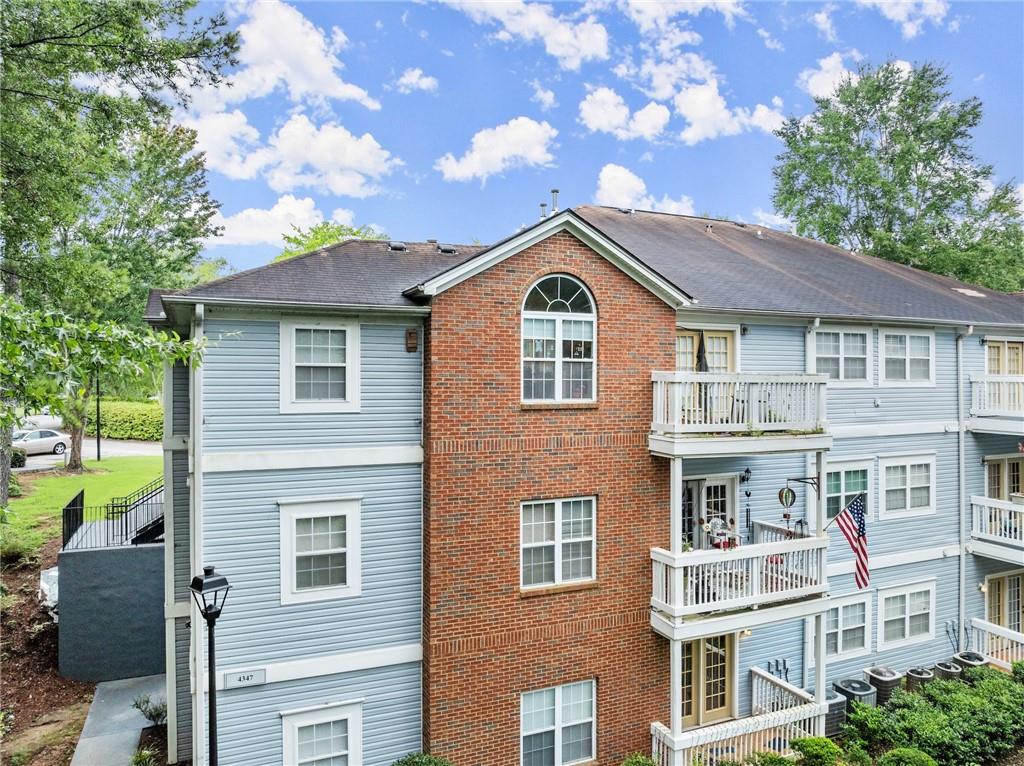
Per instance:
(1000,646)
(997,521)
(997,395)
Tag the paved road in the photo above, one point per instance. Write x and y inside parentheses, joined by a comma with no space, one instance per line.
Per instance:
(108,447)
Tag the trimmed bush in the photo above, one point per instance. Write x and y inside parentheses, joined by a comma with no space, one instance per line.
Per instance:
(1018,672)
(422,759)
(767,759)
(638,759)
(143,421)
(17,458)
(906,756)
(817,751)
(14,486)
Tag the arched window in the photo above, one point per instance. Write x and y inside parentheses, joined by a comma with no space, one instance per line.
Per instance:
(559,342)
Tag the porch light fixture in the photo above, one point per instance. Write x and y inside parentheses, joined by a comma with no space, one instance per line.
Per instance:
(745,476)
(210,591)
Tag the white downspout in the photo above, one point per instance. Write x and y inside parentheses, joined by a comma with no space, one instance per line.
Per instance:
(676,547)
(962,483)
(195,456)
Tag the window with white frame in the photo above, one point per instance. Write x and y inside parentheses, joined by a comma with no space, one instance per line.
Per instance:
(559,342)
(847,628)
(908,486)
(908,358)
(843,355)
(843,483)
(320,549)
(557,541)
(558,725)
(319,366)
(905,615)
(326,736)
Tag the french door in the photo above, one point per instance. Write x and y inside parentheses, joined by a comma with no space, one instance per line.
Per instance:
(1005,597)
(711,500)
(1004,357)
(708,680)
(1004,477)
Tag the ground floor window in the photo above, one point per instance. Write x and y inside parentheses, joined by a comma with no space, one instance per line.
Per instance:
(906,615)
(326,736)
(558,725)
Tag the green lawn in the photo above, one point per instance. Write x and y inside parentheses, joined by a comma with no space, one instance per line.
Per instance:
(36,516)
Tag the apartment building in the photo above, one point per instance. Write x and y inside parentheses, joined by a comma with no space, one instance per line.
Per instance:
(527,504)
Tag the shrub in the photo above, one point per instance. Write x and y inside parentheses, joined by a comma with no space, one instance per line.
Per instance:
(854,754)
(128,420)
(14,550)
(14,486)
(767,759)
(145,758)
(638,759)
(906,756)
(817,751)
(155,712)
(1018,672)
(422,759)
(17,458)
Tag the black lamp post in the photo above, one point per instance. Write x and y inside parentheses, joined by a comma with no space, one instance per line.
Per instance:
(210,590)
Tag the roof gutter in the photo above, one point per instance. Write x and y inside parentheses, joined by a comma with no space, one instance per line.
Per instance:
(850,317)
(294,306)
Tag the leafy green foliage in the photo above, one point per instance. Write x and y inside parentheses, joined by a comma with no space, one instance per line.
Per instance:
(638,759)
(1018,671)
(153,711)
(145,758)
(422,759)
(906,756)
(18,458)
(884,166)
(817,751)
(13,486)
(767,759)
(323,234)
(128,420)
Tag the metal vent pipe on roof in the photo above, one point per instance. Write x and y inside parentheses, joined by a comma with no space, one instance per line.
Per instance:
(554,201)
(543,210)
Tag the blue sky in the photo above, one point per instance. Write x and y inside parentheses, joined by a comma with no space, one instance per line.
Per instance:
(453,120)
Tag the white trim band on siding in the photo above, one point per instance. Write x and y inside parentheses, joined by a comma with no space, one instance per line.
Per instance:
(894,429)
(270,460)
(328,665)
(897,559)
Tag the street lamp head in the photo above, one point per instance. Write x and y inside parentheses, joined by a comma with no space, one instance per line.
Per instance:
(210,590)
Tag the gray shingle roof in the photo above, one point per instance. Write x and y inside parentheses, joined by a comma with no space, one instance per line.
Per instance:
(731,267)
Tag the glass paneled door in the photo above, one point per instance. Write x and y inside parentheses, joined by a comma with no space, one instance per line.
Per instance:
(707,501)
(708,680)
(1005,597)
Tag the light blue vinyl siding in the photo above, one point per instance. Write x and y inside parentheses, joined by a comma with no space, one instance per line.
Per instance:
(242,538)
(976,448)
(777,649)
(773,348)
(182,689)
(241,385)
(250,724)
(978,568)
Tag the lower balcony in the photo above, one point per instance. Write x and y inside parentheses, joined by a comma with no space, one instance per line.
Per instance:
(1000,646)
(700,593)
(997,529)
(780,713)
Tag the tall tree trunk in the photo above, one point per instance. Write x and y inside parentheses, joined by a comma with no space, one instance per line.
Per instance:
(6,432)
(75,410)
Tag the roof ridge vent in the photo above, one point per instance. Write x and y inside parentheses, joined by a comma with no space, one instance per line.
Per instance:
(396,246)
(447,249)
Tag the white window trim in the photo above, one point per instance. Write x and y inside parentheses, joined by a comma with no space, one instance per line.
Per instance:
(558,542)
(884,382)
(290,510)
(559,319)
(287,372)
(558,721)
(812,348)
(291,721)
(906,460)
(853,464)
(905,590)
(867,598)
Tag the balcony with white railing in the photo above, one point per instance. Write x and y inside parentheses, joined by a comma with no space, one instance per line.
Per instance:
(704,413)
(780,713)
(997,529)
(701,593)
(997,404)
(1000,646)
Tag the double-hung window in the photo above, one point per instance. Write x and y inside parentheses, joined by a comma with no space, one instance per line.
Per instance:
(319,366)
(320,555)
(558,725)
(905,615)
(557,541)
(908,358)
(908,486)
(329,736)
(559,342)
(843,355)
(843,483)
(847,628)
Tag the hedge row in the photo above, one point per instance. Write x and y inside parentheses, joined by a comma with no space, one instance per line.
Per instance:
(128,420)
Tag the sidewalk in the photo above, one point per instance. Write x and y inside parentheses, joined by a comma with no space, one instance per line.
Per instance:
(112,728)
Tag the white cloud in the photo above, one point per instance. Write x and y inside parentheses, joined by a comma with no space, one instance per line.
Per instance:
(708,115)
(663,77)
(910,15)
(542,96)
(773,220)
(343,215)
(650,15)
(282,50)
(570,42)
(520,142)
(603,110)
(414,79)
(770,42)
(229,142)
(620,187)
(821,82)
(256,226)
(822,21)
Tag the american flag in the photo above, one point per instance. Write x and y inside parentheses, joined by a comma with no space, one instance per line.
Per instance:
(851,522)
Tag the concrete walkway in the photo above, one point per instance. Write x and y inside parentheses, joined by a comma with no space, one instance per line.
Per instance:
(112,728)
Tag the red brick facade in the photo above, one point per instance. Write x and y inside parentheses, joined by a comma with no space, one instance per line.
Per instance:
(485,642)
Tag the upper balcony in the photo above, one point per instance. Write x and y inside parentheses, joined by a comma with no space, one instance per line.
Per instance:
(997,529)
(782,575)
(712,414)
(997,404)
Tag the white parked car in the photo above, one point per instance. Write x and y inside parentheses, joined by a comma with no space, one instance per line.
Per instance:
(42,441)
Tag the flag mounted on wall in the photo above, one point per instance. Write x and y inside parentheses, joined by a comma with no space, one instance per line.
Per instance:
(852,523)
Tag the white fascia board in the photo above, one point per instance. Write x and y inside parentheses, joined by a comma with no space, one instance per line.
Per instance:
(564,221)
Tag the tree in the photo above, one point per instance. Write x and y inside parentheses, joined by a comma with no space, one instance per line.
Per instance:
(323,234)
(884,166)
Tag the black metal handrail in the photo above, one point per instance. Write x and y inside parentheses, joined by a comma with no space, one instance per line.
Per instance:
(127,520)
